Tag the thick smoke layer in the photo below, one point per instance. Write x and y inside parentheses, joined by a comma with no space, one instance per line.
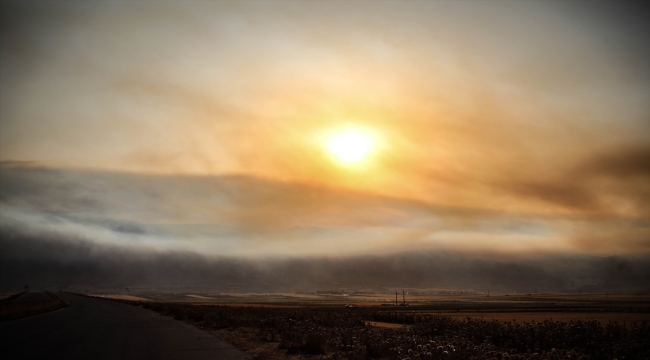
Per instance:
(75,229)
(75,264)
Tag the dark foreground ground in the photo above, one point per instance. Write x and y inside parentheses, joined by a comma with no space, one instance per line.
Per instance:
(26,304)
(98,329)
(374,333)
(30,296)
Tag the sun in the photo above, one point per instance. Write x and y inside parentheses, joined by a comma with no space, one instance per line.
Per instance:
(350,146)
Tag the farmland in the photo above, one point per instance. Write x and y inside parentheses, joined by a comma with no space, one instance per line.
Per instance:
(551,326)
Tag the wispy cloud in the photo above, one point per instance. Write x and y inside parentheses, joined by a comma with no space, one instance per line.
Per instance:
(247,216)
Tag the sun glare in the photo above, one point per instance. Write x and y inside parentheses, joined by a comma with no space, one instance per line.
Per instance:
(350,146)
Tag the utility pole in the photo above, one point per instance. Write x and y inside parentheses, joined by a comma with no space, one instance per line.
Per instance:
(395,297)
(403,298)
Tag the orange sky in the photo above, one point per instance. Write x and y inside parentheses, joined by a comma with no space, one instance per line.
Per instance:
(535,111)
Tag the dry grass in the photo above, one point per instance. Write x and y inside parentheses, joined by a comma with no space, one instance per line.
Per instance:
(247,339)
(384,325)
(377,332)
(121,297)
(602,317)
(263,324)
(503,307)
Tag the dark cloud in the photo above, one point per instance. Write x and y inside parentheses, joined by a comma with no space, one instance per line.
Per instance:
(570,195)
(588,187)
(120,226)
(626,164)
(53,262)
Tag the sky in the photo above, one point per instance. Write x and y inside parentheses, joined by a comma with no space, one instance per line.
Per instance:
(496,131)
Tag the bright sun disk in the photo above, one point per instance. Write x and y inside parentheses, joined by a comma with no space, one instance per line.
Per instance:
(350,146)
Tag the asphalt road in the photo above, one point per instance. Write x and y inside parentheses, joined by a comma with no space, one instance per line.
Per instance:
(101,329)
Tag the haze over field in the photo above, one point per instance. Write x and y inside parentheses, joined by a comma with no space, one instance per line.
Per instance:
(265,146)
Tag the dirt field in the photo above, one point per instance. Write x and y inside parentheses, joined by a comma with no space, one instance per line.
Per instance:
(602,317)
(384,325)
(121,297)
(623,308)
(455,325)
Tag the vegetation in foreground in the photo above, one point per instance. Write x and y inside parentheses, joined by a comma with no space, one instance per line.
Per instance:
(333,333)
(11,310)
